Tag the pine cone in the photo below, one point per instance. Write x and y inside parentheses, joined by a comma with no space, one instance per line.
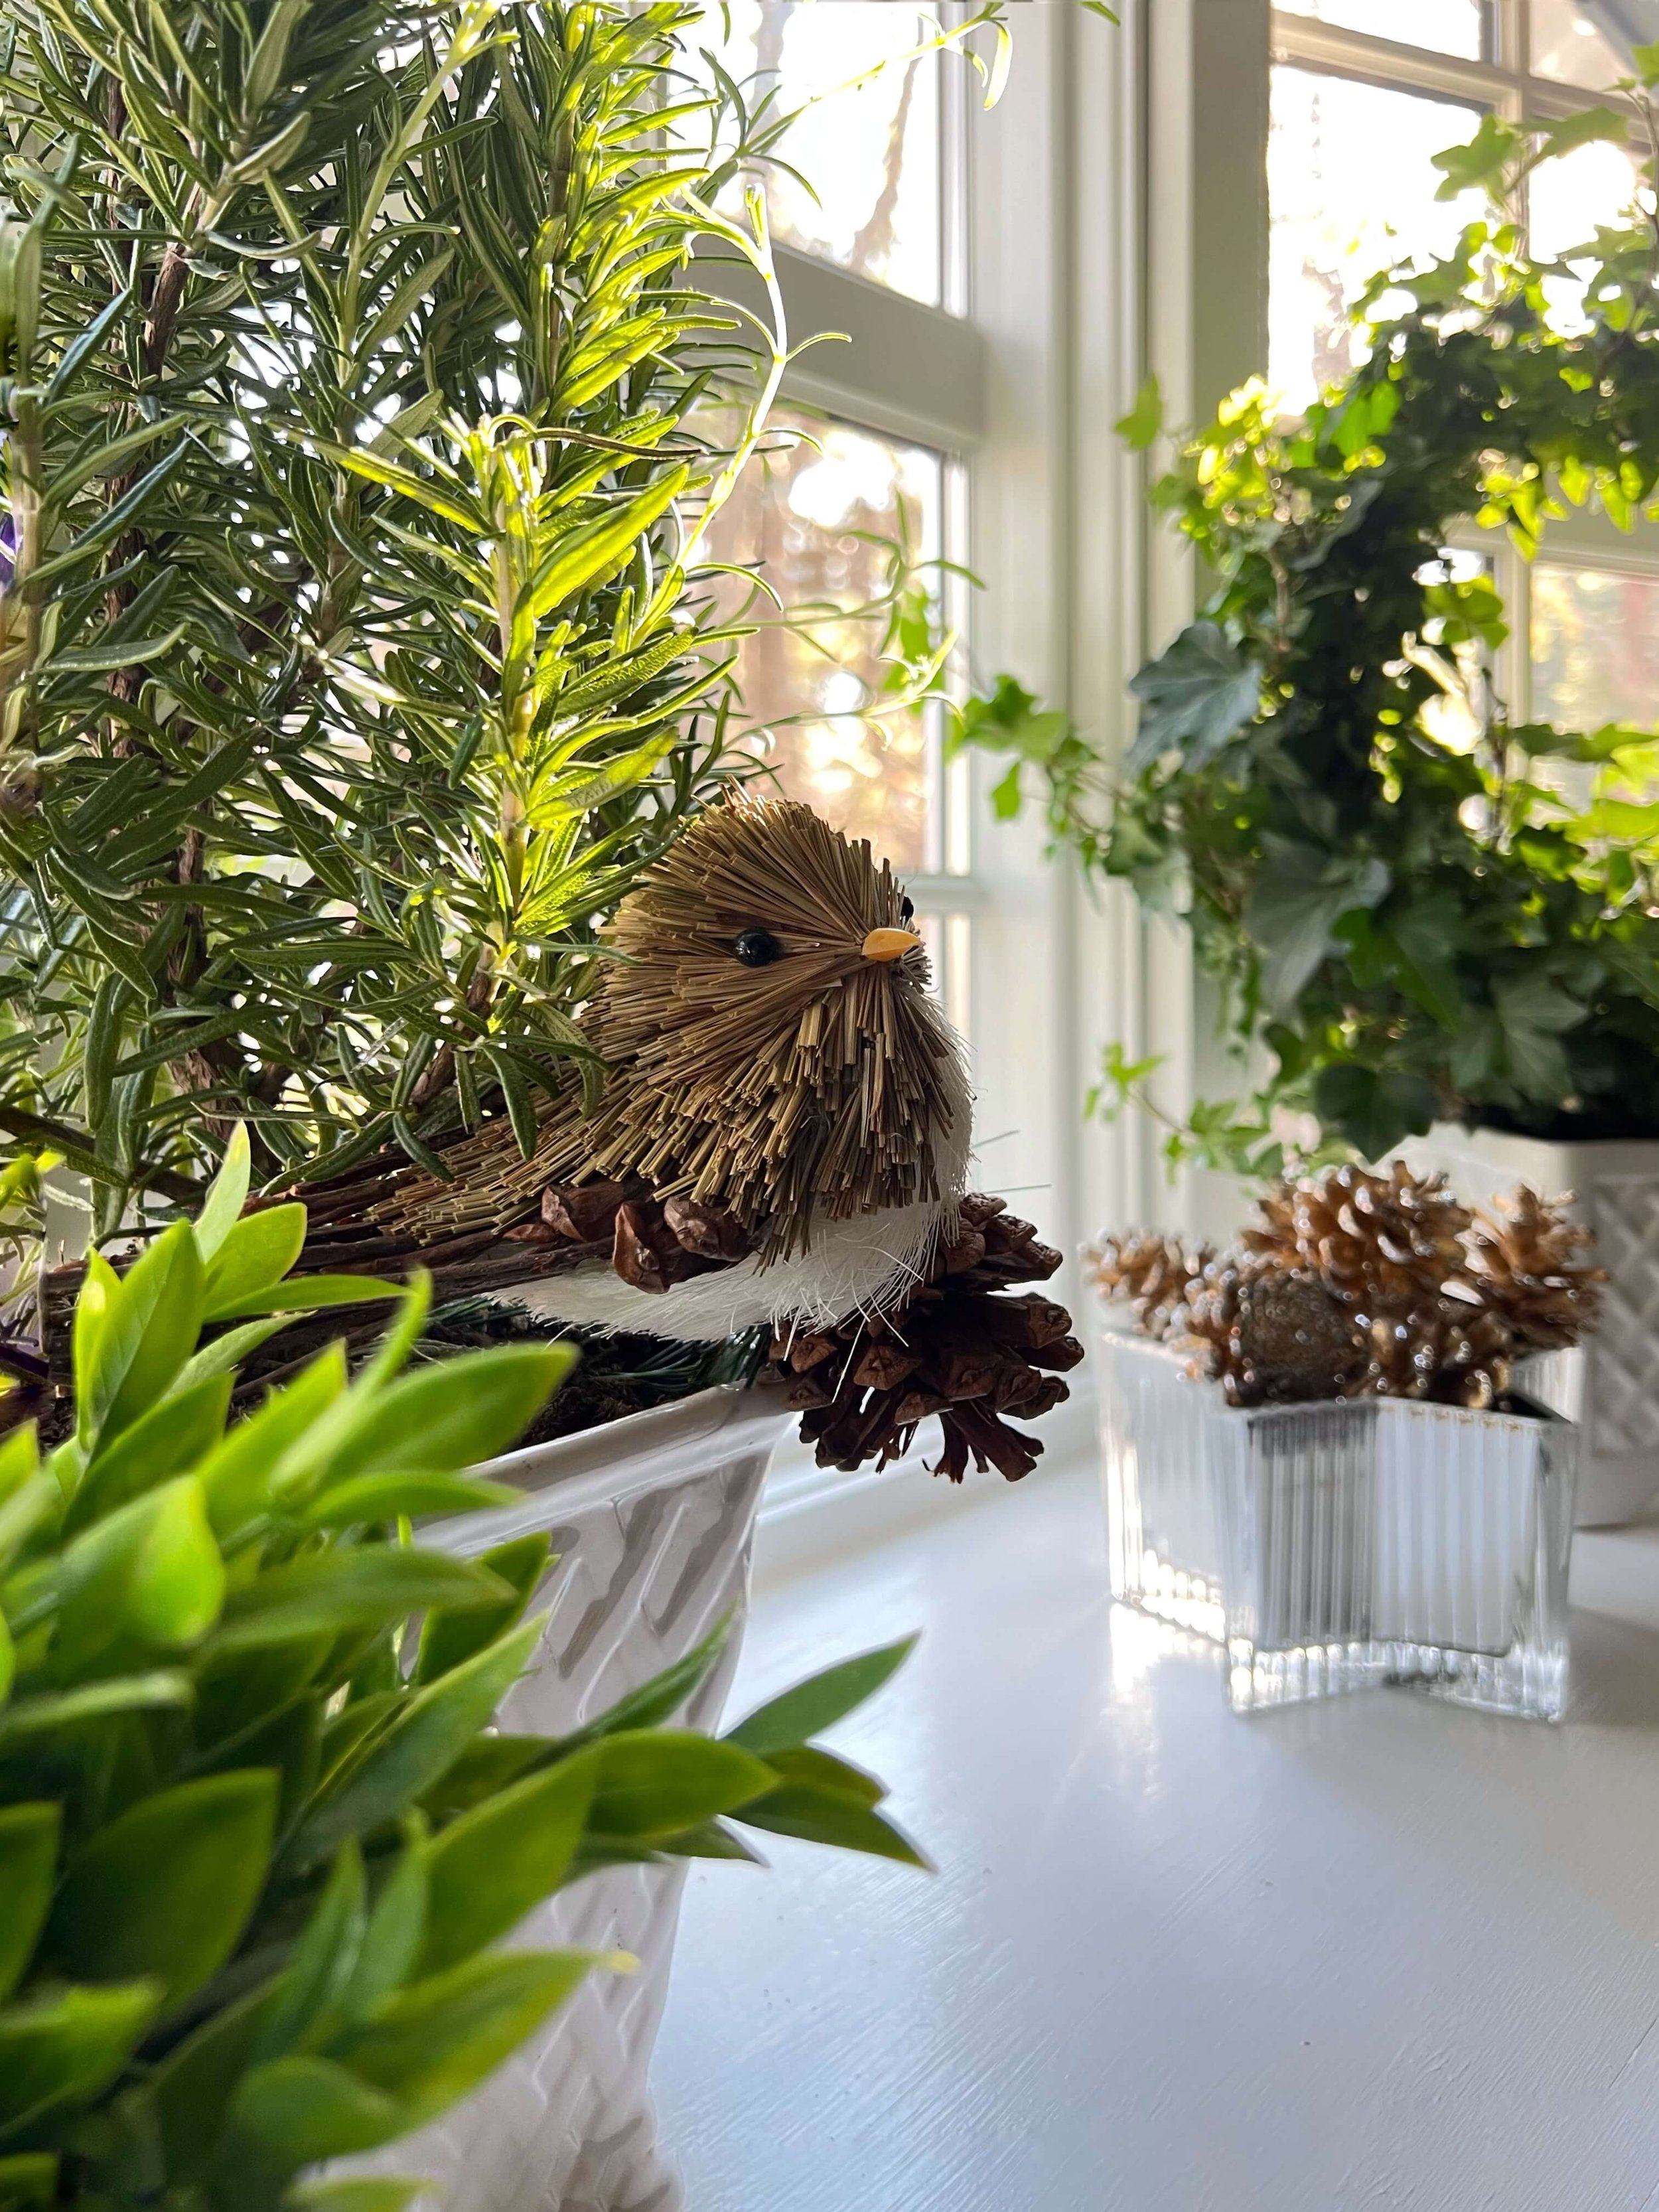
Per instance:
(652,1245)
(1270,1336)
(1157,1274)
(1527,1264)
(1210,1316)
(1352,1284)
(1383,1244)
(1437,1352)
(956,1348)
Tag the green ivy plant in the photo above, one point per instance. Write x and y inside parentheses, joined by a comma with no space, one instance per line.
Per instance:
(257,1842)
(1421,908)
(358,638)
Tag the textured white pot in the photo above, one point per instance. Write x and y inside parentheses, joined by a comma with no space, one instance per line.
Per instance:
(652,1518)
(1610,1387)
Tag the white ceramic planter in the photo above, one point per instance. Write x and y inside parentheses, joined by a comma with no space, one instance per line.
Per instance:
(1611,1385)
(652,1518)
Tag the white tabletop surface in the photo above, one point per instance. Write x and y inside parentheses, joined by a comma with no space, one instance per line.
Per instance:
(1373,1953)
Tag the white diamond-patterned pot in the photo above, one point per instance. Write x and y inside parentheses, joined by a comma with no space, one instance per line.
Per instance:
(1610,1385)
(652,1518)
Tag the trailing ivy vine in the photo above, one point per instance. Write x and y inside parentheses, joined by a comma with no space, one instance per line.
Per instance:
(1422,908)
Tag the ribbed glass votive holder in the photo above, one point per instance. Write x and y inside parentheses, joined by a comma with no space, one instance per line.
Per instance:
(1339,1545)
(1162,1538)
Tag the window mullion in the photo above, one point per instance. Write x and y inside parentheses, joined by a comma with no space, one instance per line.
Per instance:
(1515,34)
(1303,40)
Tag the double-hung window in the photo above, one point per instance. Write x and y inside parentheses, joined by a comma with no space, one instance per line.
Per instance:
(941,238)
(933,235)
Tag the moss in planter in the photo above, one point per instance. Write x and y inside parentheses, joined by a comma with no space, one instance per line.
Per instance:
(617,1375)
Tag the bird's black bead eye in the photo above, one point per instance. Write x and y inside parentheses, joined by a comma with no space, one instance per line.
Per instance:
(907,910)
(757,948)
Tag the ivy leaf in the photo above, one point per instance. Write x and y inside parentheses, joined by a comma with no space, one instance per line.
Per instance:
(1141,427)
(1426,933)
(1373,1110)
(1004,795)
(1534,1013)
(1010,720)
(1197,697)
(1590,127)
(1292,910)
(1477,1052)
(1482,165)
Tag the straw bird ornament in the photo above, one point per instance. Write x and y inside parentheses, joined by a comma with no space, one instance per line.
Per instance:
(781,1137)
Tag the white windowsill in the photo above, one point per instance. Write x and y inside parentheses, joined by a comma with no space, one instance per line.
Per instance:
(811,1514)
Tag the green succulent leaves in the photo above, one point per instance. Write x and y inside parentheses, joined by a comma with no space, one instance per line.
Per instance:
(258,1840)
(164,1893)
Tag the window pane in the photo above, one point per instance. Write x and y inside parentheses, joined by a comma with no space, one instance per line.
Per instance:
(1590,41)
(1595,647)
(1337,220)
(1451,26)
(807,514)
(869,151)
(1573,197)
(1570,200)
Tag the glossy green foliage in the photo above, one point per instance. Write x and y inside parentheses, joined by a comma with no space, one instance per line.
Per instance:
(1421,907)
(257,1845)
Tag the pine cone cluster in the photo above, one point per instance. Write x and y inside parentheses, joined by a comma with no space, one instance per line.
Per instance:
(1357,1285)
(1377,1241)
(1531,1264)
(957,1348)
(1157,1275)
(653,1243)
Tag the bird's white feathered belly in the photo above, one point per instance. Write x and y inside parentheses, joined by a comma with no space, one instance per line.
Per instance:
(864,1265)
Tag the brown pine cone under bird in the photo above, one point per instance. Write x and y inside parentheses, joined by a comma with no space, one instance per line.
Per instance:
(781,1137)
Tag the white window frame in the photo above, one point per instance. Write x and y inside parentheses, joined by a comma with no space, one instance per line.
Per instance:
(1017,390)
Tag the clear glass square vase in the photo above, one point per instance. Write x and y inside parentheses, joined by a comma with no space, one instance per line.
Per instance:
(1337,1546)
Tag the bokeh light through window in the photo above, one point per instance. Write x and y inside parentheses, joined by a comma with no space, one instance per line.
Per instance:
(1451,26)
(868,150)
(1568,201)
(1589,42)
(817,514)
(1595,647)
(1333,227)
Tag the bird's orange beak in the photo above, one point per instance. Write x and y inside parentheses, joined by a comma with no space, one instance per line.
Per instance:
(890,944)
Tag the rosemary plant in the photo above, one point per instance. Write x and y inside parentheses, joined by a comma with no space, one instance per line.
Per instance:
(357,637)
